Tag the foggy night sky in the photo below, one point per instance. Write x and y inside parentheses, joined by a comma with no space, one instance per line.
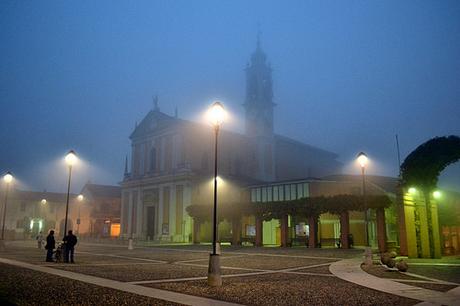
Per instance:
(348,76)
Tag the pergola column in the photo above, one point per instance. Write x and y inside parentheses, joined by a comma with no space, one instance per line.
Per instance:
(259,230)
(381,229)
(236,231)
(344,229)
(196,231)
(403,247)
(284,230)
(313,231)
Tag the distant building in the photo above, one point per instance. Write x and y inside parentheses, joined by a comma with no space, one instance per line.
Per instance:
(100,211)
(97,214)
(172,161)
(31,212)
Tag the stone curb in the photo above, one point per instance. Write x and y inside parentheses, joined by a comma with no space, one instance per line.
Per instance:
(350,270)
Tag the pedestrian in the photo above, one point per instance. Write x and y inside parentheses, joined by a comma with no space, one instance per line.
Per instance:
(39,240)
(70,241)
(50,245)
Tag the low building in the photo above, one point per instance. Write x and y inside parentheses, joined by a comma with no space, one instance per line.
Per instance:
(99,211)
(96,213)
(31,212)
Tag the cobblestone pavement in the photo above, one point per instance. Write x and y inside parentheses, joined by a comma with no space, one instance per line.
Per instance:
(251,276)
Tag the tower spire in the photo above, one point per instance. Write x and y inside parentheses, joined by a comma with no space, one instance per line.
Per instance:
(156,107)
(126,166)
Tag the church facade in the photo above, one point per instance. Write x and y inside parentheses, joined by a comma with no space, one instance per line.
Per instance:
(171,164)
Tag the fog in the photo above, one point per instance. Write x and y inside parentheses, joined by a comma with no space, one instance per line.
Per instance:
(347,77)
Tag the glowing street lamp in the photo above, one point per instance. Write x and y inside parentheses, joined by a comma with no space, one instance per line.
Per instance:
(216,116)
(43,201)
(412,190)
(7,178)
(362,160)
(437,194)
(70,159)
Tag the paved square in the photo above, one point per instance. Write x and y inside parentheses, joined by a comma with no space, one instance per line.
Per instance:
(251,276)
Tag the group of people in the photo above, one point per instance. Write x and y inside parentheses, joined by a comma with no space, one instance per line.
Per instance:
(68,246)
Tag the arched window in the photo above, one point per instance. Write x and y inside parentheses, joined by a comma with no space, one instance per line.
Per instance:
(153,160)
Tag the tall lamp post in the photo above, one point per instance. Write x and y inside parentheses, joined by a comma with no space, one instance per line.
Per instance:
(70,159)
(216,116)
(362,160)
(7,178)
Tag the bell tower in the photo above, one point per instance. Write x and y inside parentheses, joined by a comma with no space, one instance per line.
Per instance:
(259,95)
(259,108)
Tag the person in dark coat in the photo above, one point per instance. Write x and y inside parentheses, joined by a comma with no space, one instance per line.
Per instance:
(70,241)
(50,245)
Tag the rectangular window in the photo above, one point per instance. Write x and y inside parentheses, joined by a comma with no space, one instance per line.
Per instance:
(281,192)
(250,230)
(253,195)
(275,193)
(168,153)
(142,159)
(270,194)
(259,194)
(287,192)
(264,194)
(293,191)
(300,191)
(306,190)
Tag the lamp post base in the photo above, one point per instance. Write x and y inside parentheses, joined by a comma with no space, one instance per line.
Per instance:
(214,276)
(130,244)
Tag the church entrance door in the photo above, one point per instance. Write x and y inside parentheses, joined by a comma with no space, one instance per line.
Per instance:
(150,222)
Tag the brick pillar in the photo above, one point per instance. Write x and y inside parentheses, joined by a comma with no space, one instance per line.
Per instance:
(344,229)
(381,229)
(236,231)
(196,231)
(259,231)
(313,231)
(284,231)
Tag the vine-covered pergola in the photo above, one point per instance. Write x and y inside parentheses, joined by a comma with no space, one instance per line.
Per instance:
(306,208)
(421,170)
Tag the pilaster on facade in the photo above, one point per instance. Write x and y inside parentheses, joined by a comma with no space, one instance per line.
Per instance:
(416,227)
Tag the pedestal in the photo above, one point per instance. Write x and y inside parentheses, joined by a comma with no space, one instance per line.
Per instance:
(214,277)
(368,256)
(130,244)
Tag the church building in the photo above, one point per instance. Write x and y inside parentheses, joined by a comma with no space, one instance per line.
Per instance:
(172,160)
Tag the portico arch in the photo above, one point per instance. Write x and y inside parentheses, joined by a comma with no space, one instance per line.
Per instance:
(420,171)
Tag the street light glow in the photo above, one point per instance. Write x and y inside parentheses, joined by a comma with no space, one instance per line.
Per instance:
(43,201)
(437,194)
(8,177)
(216,114)
(362,159)
(412,190)
(71,158)
(80,197)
